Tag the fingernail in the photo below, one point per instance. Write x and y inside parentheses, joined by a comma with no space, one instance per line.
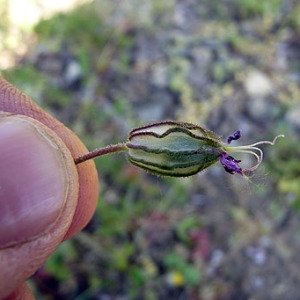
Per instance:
(33,187)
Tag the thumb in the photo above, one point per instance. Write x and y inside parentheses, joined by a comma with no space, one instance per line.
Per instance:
(14,101)
(36,147)
(38,197)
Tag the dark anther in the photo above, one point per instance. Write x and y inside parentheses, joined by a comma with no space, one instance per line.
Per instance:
(234,137)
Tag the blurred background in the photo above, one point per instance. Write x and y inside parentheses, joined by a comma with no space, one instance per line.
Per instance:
(103,67)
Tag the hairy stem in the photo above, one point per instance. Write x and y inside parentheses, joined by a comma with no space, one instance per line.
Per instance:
(100,152)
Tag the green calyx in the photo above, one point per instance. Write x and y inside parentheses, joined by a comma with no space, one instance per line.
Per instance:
(172,148)
(180,149)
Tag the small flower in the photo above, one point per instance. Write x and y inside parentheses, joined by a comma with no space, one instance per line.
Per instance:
(175,278)
(172,148)
(179,149)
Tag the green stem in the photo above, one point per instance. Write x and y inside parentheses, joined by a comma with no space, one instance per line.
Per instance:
(100,152)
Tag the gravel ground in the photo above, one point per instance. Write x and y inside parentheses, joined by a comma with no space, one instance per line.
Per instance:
(111,65)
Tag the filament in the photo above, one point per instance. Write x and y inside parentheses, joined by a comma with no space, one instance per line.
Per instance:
(252,149)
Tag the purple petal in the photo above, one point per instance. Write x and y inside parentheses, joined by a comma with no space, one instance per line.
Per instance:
(230,164)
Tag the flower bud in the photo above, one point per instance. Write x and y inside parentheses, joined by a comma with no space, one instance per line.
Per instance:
(172,148)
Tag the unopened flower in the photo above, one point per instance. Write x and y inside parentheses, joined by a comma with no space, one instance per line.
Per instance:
(173,148)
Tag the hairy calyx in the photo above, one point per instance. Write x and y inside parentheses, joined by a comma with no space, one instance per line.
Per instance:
(179,149)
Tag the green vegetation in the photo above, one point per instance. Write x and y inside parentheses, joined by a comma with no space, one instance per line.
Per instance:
(108,66)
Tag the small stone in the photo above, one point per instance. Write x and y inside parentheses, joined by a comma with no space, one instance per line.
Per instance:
(73,72)
(259,109)
(160,74)
(257,84)
(257,254)
(293,117)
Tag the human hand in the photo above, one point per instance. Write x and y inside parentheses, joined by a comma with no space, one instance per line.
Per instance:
(44,198)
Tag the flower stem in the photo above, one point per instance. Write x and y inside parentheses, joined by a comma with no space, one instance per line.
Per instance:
(100,152)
